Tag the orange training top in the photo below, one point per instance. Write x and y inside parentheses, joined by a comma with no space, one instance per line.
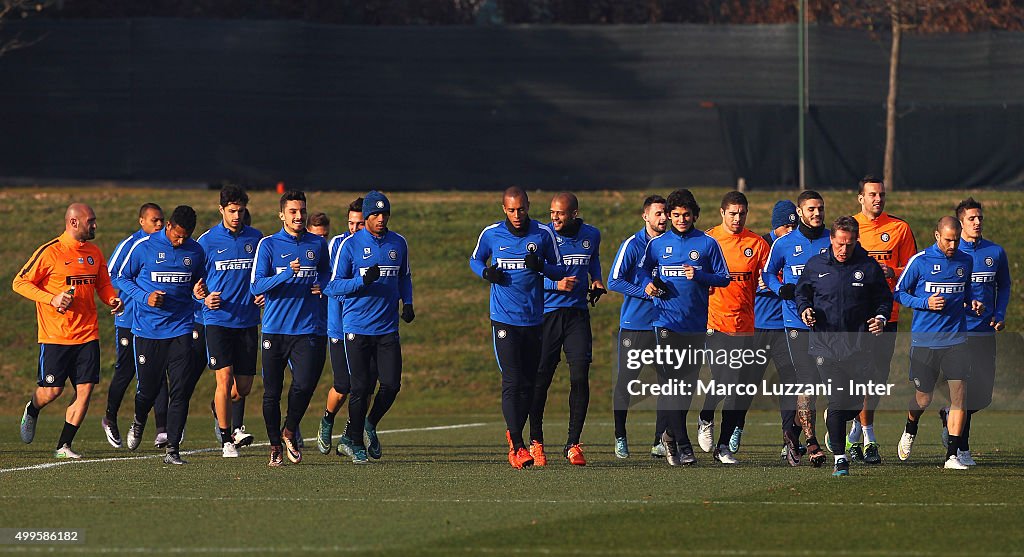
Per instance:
(55,267)
(891,242)
(731,309)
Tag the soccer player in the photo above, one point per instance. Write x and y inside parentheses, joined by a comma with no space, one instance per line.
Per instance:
(151,219)
(891,242)
(372,272)
(636,317)
(678,269)
(788,256)
(990,284)
(319,224)
(159,273)
(935,285)
(339,391)
(770,334)
(62,277)
(289,269)
(731,325)
(567,325)
(843,297)
(230,315)
(522,253)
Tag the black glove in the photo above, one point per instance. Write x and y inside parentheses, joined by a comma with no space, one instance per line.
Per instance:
(787,291)
(660,285)
(534,262)
(594,294)
(372,274)
(407,313)
(494,274)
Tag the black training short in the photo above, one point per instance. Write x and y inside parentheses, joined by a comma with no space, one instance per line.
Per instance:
(982,352)
(925,363)
(60,362)
(235,347)
(566,329)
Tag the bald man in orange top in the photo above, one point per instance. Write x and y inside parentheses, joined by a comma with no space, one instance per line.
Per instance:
(731,324)
(61,277)
(890,241)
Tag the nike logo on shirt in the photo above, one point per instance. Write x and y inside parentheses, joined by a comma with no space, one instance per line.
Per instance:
(222,250)
(286,256)
(503,248)
(367,256)
(823,274)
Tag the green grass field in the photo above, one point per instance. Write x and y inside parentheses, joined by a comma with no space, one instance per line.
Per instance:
(451,490)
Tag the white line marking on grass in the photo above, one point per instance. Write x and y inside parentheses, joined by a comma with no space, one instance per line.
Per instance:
(46,465)
(482,501)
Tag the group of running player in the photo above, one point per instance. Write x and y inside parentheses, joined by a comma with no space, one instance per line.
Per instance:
(186,304)
(731,291)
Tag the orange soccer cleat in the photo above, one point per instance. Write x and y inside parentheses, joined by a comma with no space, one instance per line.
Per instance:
(575,455)
(537,452)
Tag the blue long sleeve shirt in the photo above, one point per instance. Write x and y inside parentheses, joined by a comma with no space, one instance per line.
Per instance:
(123,319)
(334,304)
(789,254)
(154,264)
(767,304)
(519,299)
(229,260)
(990,283)
(290,307)
(371,309)
(581,258)
(684,309)
(931,272)
(638,312)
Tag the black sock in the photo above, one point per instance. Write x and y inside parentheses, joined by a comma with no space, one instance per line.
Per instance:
(965,432)
(67,435)
(237,413)
(954,444)
(911,427)
(329,416)
(225,435)
(707,415)
(32,410)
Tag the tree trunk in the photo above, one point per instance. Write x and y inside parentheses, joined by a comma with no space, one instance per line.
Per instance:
(890,103)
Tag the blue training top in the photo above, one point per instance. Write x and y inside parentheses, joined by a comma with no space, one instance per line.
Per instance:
(154,264)
(371,309)
(581,257)
(229,260)
(930,272)
(789,254)
(638,312)
(291,308)
(685,307)
(519,299)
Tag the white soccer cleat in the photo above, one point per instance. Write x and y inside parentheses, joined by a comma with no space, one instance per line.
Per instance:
(705,435)
(230,450)
(906,443)
(953,463)
(725,456)
(66,452)
(241,438)
(965,458)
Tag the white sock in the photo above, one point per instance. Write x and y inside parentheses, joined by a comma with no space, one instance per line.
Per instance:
(840,457)
(869,434)
(855,431)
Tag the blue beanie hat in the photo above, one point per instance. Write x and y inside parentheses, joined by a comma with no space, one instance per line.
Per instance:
(783,213)
(375,202)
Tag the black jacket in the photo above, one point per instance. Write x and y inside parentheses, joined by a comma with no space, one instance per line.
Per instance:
(844,296)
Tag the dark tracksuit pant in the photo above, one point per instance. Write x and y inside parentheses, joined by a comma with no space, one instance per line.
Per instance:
(517,350)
